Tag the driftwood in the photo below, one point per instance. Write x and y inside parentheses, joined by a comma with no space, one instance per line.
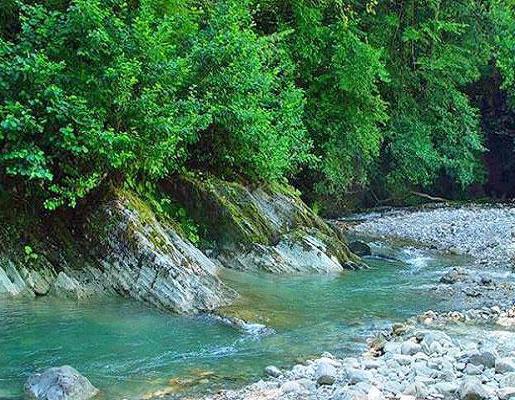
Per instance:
(429,197)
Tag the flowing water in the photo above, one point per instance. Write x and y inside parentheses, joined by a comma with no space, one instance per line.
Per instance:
(129,351)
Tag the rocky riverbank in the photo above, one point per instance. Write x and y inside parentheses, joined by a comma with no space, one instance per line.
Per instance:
(463,354)
(455,355)
(485,232)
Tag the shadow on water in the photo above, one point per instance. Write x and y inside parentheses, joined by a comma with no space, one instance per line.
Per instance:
(128,350)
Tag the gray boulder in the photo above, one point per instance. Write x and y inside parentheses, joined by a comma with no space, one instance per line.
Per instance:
(60,383)
(486,358)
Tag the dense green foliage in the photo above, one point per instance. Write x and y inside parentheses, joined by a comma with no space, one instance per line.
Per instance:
(352,94)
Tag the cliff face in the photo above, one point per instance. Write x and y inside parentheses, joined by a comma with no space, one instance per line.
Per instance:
(266,228)
(119,248)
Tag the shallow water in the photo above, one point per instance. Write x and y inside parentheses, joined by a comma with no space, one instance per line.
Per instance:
(128,350)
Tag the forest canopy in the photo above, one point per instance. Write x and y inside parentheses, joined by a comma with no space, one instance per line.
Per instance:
(339,96)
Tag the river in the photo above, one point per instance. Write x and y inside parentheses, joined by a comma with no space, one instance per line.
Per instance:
(129,351)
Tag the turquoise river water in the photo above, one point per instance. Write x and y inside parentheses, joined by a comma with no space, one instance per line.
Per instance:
(131,351)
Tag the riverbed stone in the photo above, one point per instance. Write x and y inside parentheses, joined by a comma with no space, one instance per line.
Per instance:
(472,389)
(507,379)
(374,394)
(293,387)
(506,393)
(503,365)
(60,383)
(355,376)
(325,373)
(446,389)
(410,348)
(273,371)
(485,357)
(472,369)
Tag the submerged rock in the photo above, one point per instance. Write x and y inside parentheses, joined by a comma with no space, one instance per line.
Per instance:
(61,383)
(266,228)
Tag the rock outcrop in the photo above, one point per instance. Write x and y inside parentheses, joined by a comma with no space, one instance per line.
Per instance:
(62,383)
(267,228)
(118,248)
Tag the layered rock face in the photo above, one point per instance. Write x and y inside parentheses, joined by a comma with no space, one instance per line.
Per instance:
(267,228)
(119,248)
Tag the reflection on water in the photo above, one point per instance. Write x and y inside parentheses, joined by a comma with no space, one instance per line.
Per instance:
(127,349)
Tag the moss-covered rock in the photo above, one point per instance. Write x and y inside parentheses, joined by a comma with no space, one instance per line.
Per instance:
(119,247)
(266,227)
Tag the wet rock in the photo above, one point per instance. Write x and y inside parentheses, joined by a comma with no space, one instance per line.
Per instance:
(67,286)
(62,383)
(273,371)
(360,248)
(399,328)
(118,248)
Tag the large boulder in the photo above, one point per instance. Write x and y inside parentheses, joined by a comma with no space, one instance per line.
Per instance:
(266,227)
(119,247)
(61,383)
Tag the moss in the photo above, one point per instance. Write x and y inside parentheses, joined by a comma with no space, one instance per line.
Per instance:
(224,209)
(231,214)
